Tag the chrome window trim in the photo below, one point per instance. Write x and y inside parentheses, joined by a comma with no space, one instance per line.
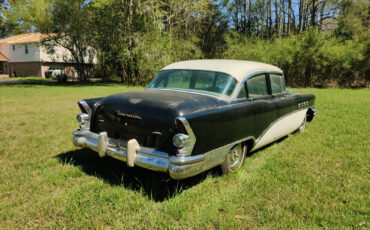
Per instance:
(188,91)
(222,97)
(232,97)
(241,84)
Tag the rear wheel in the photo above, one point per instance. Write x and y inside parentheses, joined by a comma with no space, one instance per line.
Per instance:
(234,159)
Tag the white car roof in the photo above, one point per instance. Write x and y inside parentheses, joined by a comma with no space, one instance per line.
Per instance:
(236,68)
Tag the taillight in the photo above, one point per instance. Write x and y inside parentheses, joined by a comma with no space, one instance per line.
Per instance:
(85,108)
(179,140)
(184,139)
(180,127)
(83,118)
(81,107)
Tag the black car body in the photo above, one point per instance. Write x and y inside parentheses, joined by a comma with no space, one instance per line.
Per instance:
(195,115)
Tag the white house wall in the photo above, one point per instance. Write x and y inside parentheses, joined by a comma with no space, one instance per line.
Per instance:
(19,55)
(63,55)
(37,53)
(60,55)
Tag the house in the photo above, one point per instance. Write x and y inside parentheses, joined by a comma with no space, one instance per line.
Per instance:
(23,55)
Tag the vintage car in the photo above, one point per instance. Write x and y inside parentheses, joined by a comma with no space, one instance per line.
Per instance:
(193,116)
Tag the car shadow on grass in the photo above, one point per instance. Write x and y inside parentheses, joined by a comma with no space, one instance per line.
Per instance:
(156,185)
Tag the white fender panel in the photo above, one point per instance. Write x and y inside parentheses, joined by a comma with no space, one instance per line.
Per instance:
(281,127)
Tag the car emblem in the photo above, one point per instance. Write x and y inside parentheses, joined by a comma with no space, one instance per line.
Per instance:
(121,114)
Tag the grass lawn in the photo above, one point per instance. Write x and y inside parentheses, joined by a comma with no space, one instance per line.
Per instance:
(25,79)
(316,179)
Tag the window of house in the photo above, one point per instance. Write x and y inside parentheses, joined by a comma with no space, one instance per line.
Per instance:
(257,86)
(26,48)
(13,47)
(84,52)
(277,83)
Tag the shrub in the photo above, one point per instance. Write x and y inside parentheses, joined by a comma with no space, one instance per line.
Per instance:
(307,59)
(61,78)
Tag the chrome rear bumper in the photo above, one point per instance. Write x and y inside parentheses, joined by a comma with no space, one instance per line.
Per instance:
(177,167)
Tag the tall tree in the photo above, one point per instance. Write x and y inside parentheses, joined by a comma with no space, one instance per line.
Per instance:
(277,18)
(300,15)
(289,16)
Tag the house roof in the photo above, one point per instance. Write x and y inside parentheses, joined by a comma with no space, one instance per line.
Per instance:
(3,57)
(25,38)
(236,68)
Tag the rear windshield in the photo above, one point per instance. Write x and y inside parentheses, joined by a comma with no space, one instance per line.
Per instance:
(196,80)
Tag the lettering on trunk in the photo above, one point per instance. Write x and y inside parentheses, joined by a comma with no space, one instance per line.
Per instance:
(303,104)
(121,114)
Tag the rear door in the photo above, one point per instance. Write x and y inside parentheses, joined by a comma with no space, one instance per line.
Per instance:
(289,118)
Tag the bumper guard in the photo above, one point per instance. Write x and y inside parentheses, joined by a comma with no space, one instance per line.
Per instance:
(134,154)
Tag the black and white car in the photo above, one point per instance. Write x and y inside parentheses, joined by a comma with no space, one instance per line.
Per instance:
(195,115)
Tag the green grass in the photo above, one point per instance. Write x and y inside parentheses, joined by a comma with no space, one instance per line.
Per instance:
(18,79)
(316,179)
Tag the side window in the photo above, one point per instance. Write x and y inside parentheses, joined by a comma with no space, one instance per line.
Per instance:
(277,83)
(26,48)
(242,93)
(257,86)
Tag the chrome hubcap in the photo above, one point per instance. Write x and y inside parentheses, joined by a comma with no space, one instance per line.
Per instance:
(234,156)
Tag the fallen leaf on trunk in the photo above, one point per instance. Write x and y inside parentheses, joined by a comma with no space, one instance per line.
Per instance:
(240,217)
(362,223)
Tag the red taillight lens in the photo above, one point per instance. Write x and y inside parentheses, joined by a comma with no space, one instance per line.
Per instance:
(180,127)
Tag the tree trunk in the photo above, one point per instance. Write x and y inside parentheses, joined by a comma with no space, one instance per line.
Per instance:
(277,19)
(322,15)
(80,65)
(313,13)
(301,3)
(245,16)
(269,17)
(250,17)
(289,16)
(305,17)
(283,7)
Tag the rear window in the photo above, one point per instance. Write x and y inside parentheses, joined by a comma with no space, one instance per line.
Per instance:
(196,80)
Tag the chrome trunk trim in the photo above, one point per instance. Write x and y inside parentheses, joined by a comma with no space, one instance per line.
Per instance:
(187,149)
(86,107)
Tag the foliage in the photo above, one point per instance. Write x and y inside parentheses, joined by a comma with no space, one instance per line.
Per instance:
(308,59)
(24,15)
(61,78)
(317,43)
(135,42)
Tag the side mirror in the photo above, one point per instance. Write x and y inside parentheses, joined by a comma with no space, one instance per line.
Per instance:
(288,92)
